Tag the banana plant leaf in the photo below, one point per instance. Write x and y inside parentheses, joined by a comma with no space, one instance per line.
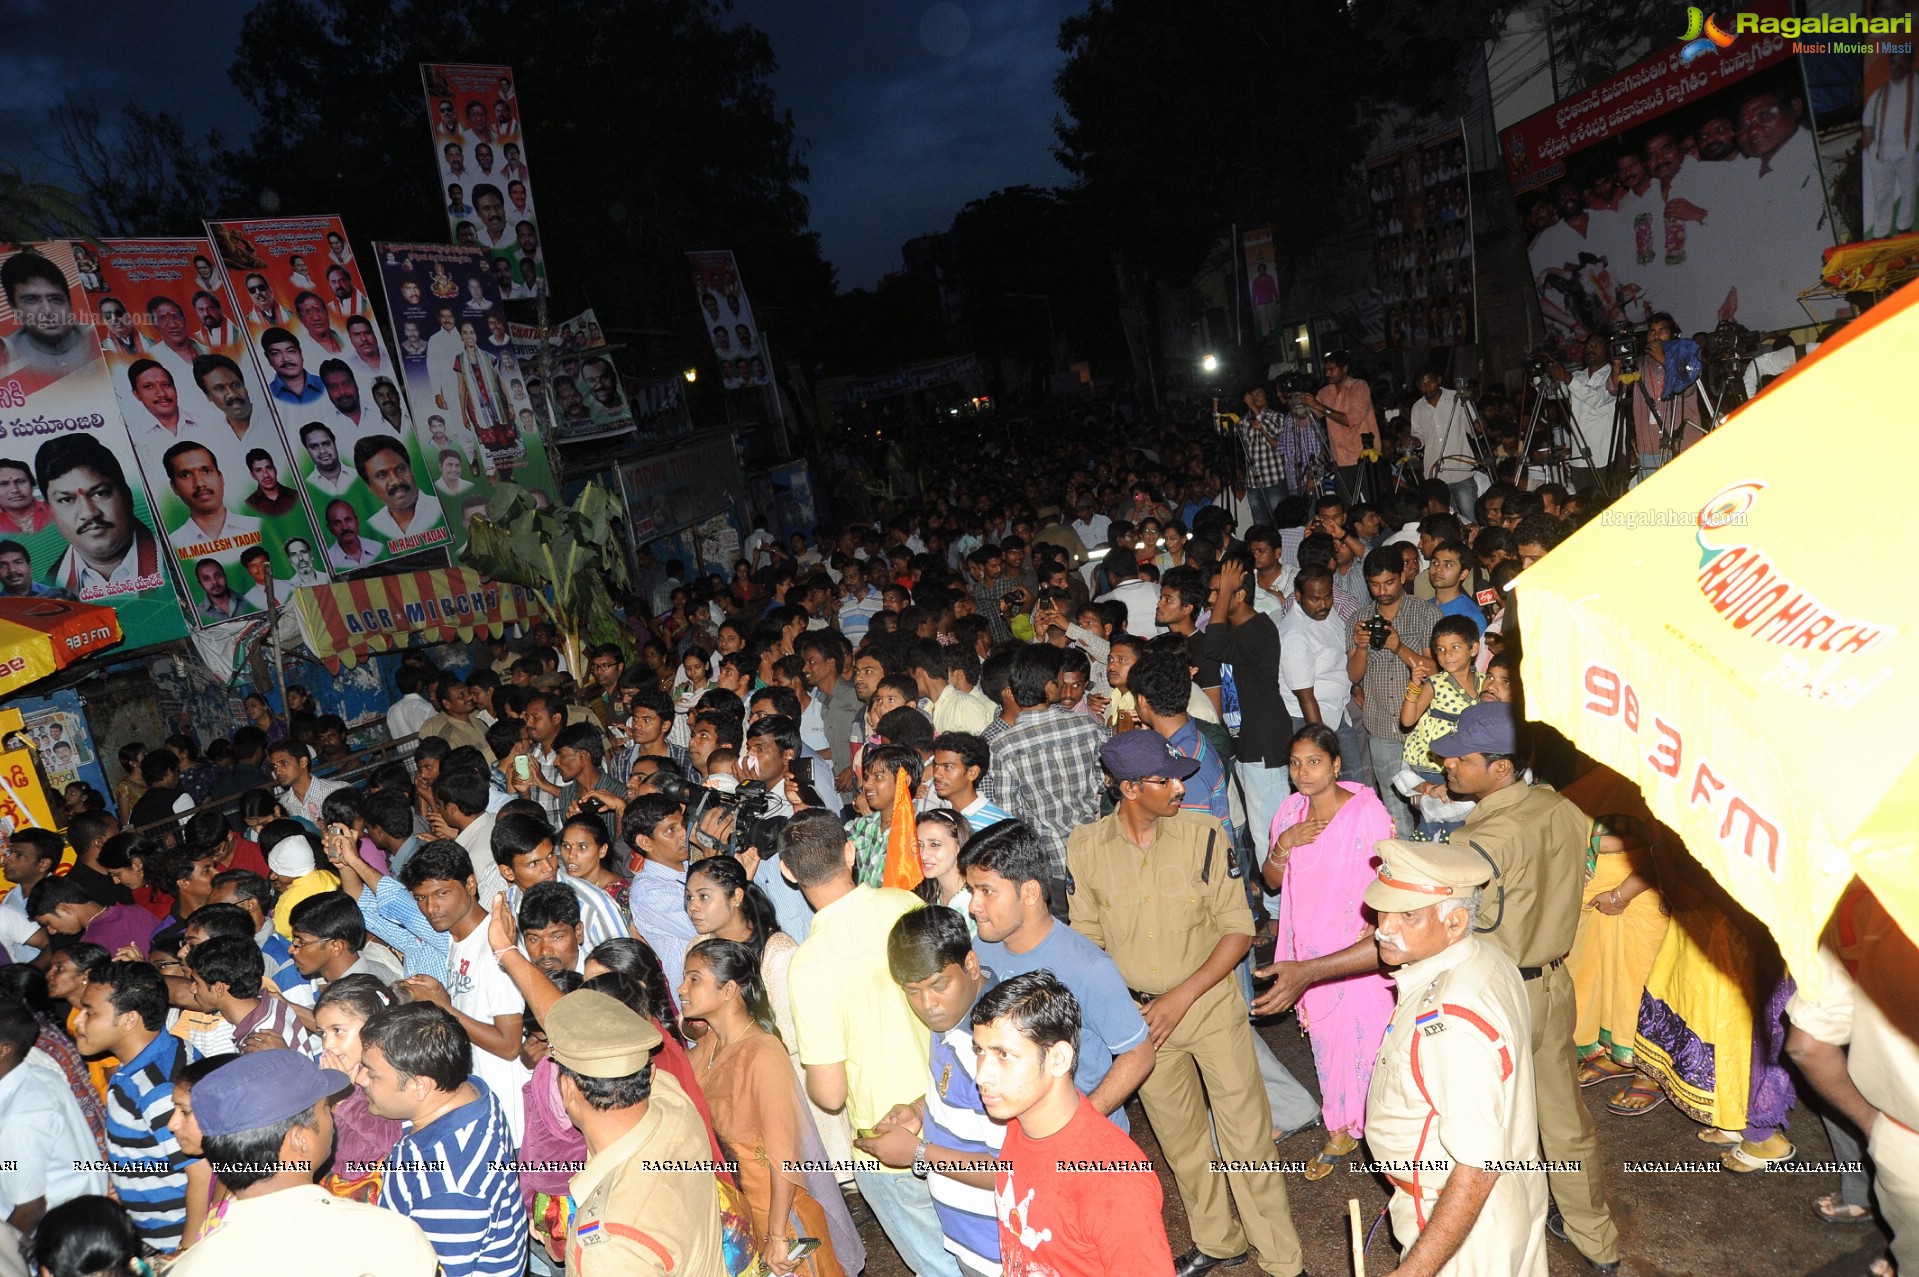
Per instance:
(572,554)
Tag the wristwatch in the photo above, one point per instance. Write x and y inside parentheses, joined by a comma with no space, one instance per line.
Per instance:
(920,1167)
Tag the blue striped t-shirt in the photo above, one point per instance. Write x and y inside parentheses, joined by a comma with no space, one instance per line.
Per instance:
(149,1173)
(454,1177)
(956,1119)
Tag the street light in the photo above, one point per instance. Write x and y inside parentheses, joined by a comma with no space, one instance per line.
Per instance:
(692,375)
(1209,364)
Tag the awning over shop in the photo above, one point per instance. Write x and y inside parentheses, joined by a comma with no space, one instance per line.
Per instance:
(40,636)
(341,624)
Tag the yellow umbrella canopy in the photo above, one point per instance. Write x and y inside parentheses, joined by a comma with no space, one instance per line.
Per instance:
(1730,636)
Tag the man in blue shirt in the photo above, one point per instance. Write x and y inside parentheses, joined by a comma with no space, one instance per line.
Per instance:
(292,383)
(123,1013)
(929,954)
(1006,870)
(453,1172)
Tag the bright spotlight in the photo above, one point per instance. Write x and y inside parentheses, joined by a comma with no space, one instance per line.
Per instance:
(1209,363)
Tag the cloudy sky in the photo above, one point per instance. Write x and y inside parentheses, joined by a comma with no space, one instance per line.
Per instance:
(908,109)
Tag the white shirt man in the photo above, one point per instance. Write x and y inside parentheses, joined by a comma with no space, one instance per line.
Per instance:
(1440,424)
(427,515)
(1888,150)
(1590,394)
(46,1138)
(1312,654)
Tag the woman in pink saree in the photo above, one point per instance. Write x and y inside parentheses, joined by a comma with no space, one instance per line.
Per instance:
(1320,861)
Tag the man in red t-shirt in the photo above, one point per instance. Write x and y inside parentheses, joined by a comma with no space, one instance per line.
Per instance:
(1074,1195)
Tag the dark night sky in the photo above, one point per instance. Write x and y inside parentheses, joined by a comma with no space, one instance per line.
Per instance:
(908,110)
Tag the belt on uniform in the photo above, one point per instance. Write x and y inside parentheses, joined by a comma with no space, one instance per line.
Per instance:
(1141,998)
(1414,1190)
(1533,973)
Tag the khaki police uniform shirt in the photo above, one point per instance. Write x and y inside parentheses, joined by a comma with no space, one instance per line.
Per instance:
(636,1216)
(1462,1017)
(1537,838)
(1159,912)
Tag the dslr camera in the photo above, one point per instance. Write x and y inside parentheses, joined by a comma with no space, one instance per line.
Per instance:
(1378,630)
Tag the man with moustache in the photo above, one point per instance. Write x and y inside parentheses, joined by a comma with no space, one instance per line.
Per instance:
(300,555)
(383,465)
(606,403)
(349,551)
(176,347)
(386,397)
(266,312)
(122,337)
(163,423)
(225,386)
(220,331)
(1452,1087)
(328,476)
(490,205)
(108,552)
(343,392)
(193,472)
(292,384)
(16,575)
(366,356)
(319,342)
(50,343)
(347,300)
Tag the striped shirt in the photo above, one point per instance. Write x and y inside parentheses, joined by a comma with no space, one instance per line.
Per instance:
(455,1179)
(600,913)
(980,813)
(389,913)
(149,1174)
(956,1119)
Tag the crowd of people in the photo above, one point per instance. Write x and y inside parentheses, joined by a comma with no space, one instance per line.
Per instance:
(877,881)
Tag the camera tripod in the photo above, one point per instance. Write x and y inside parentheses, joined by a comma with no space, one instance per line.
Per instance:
(1560,427)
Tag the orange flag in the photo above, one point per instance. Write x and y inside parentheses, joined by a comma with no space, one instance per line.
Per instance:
(902,840)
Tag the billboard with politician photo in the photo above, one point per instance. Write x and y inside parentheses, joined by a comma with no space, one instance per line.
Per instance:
(211,455)
(74,520)
(474,400)
(1693,190)
(480,148)
(334,387)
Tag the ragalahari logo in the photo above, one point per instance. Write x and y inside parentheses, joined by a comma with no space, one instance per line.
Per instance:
(1702,35)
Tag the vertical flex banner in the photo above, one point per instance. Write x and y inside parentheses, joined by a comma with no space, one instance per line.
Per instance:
(75,521)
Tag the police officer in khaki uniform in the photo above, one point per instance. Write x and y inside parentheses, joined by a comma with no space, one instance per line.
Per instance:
(1159,889)
(633,1216)
(1534,844)
(1449,1114)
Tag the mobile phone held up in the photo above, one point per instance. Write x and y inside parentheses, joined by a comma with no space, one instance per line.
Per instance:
(799,1248)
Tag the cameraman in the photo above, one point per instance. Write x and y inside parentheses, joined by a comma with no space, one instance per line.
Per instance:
(1592,390)
(1440,424)
(1258,434)
(1664,423)
(1345,405)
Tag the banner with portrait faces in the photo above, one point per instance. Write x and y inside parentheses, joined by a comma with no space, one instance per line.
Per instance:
(215,466)
(1421,198)
(75,521)
(728,319)
(473,398)
(335,388)
(474,115)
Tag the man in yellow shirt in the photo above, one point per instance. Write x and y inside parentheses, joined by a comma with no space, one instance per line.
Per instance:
(861,1045)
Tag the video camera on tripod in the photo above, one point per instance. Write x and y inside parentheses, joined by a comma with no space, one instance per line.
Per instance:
(1625,344)
(1295,386)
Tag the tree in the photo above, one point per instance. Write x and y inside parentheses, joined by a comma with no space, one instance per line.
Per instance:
(32,210)
(575,552)
(651,129)
(142,174)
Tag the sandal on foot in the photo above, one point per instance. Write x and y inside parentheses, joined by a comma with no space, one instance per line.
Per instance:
(1597,1069)
(1637,1100)
(1746,1157)
(1882,1267)
(1833,1211)
(1725,1139)
(1337,1149)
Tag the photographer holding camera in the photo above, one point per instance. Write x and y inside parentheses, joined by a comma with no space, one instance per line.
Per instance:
(1665,397)
(1258,433)
(1389,645)
(1592,391)
(1345,405)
